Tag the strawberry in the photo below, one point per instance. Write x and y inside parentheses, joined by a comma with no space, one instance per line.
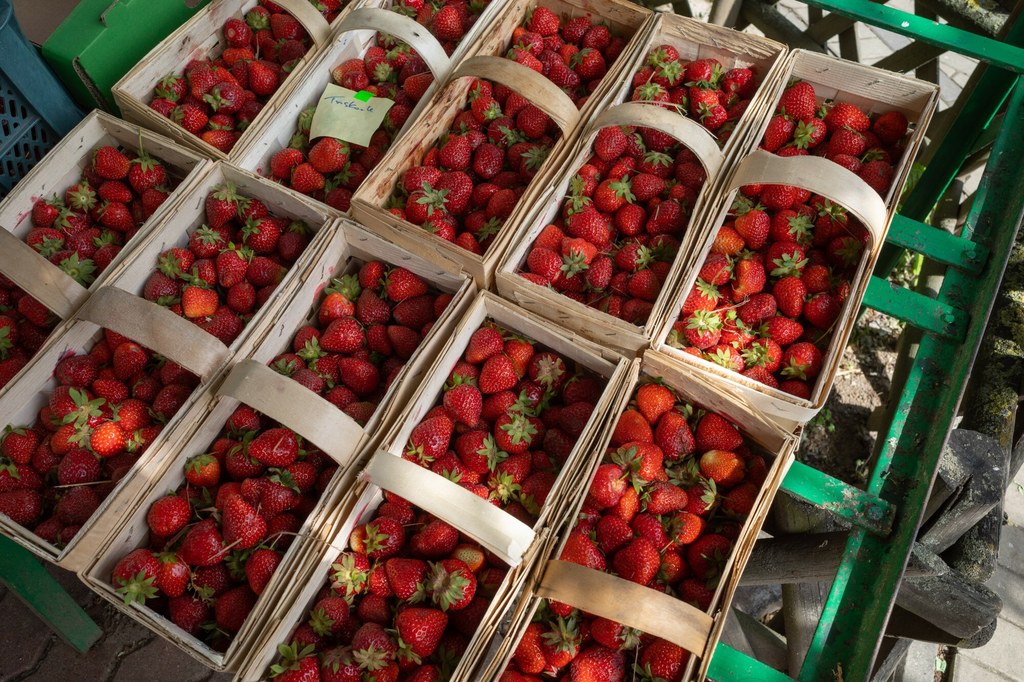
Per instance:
(203,545)
(110,163)
(134,575)
(798,101)
(276,447)
(420,630)
(429,440)
(596,662)
(242,526)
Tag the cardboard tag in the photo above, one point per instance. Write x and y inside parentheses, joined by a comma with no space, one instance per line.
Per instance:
(348,115)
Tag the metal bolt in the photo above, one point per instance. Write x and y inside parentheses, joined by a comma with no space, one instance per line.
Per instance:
(873,512)
(948,318)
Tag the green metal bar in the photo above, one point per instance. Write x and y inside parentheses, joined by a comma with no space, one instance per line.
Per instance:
(936,244)
(849,503)
(730,665)
(928,31)
(863,593)
(916,309)
(25,577)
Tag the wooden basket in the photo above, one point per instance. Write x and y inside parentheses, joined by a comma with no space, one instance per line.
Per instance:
(21,406)
(61,168)
(873,90)
(820,176)
(481,520)
(341,255)
(635,605)
(354,36)
(130,276)
(199,38)
(607,330)
(368,202)
(358,507)
(251,382)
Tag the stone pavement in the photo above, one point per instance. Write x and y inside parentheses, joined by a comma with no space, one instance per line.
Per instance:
(999,660)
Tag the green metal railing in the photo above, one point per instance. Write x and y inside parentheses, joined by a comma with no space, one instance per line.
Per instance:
(885,517)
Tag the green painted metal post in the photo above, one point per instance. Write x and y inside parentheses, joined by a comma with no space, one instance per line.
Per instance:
(25,577)
(872,567)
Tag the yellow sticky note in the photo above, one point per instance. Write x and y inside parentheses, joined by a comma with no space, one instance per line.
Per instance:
(348,115)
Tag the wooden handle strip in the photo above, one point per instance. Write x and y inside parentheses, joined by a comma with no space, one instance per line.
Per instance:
(541,92)
(820,176)
(626,602)
(307,15)
(501,533)
(40,278)
(296,407)
(413,33)
(156,328)
(690,133)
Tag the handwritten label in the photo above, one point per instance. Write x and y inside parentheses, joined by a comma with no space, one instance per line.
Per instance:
(348,115)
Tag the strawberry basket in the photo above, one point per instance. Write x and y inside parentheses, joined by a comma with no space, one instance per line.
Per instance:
(206,235)
(584,249)
(64,520)
(747,68)
(873,92)
(202,38)
(602,584)
(355,35)
(828,229)
(250,386)
(507,535)
(485,230)
(186,356)
(493,584)
(50,292)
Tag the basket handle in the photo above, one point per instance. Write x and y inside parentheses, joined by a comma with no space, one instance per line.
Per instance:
(542,93)
(626,602)
(40,278)
(295,406)
(499,532)
(413,33)
(156,328)
(685,130)
(820,176)
(307,15)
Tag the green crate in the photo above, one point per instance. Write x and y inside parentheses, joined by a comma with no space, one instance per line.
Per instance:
(101,40)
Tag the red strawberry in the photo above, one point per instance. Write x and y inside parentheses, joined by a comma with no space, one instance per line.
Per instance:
(134,575)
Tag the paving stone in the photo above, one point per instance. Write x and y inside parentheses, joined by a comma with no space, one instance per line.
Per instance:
(958,62)
(1009,585)
(1011,547)
(121,635)
(23,638)
(919,665)
(1002,653)
(161,661)
(892,41)
(967,669)
(1013,501)
(949,90)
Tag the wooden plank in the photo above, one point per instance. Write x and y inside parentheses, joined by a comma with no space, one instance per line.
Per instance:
(949,600)
(26,578)
(982,492)
(810,557)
